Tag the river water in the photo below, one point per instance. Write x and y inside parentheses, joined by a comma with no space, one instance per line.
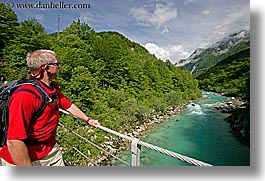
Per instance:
(199,132)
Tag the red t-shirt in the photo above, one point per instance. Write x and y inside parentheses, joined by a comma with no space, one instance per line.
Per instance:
(42,130)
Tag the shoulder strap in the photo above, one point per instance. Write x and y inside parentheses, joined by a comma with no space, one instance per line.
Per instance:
(45,98)
(42,107)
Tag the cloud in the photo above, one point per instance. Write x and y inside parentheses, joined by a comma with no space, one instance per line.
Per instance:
(85,17)
(165,30)
(172,53)
(40,17)
(238,15)
(206,12)
(174,27)
(224,22)
(156,16)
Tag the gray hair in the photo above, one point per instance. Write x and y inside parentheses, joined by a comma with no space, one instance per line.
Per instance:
(40,57)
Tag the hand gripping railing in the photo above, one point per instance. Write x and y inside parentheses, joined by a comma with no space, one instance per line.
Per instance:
(136,152)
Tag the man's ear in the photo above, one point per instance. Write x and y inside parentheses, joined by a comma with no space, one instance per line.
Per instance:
(47,68)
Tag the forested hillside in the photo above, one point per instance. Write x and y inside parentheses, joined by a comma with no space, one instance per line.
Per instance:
(109,77)
(230,76)
(203,59)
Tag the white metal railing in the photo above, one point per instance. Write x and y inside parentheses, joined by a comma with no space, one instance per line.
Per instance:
(95,145)
(135,148)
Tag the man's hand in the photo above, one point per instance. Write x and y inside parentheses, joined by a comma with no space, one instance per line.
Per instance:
(93,122)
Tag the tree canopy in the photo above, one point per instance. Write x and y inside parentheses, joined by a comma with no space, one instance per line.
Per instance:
(230,76)
(109,77)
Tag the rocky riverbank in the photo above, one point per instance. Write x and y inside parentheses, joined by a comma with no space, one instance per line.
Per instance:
(118,144)
(239,118)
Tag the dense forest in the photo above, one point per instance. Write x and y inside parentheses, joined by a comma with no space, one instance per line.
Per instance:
(109,77)
(231,76)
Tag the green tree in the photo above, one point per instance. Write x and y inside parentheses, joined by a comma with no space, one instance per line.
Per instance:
(8,26)
(31,36)
(109,77)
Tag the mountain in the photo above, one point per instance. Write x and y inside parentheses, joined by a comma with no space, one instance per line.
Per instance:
(231,76)
(204,58)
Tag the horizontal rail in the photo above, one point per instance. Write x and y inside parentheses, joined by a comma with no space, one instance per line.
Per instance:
(158,149)
(150,146)
(95,145)
(76,149)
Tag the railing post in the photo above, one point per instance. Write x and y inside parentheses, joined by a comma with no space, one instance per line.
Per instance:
(135,149)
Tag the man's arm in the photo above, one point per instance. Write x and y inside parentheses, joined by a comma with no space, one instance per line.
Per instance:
(19,152)
(75,111)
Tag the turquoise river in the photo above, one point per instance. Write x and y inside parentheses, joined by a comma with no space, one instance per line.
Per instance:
(199,132)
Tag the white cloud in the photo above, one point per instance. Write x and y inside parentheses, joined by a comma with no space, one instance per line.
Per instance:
(159,52)
(172,53)
(238,15)
(40,17)
(85,17)
(165,30)
(206,12)
(158,16)
(234,18)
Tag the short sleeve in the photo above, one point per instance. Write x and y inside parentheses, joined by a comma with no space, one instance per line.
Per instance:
(22,105)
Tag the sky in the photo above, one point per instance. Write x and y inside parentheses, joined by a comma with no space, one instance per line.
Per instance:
(170,29)
(253,173)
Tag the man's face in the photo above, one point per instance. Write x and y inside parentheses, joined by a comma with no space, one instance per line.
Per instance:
(53,68)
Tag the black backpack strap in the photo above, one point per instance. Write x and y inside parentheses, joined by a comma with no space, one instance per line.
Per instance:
(4,124)
(44,96)
(45,100)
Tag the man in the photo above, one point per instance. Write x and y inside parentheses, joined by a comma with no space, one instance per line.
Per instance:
(32,141)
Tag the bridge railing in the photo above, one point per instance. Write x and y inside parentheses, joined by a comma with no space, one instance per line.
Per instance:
(135,148)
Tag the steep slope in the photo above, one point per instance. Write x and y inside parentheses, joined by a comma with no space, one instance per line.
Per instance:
(203,59)
(230,76)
